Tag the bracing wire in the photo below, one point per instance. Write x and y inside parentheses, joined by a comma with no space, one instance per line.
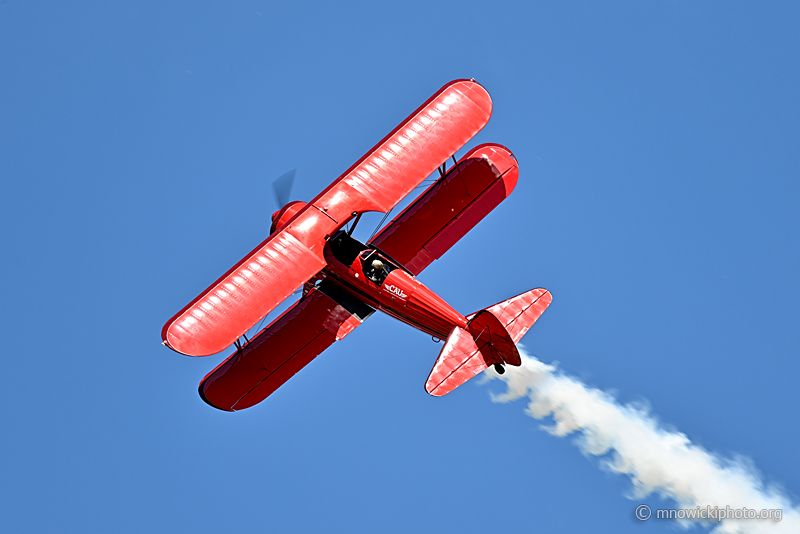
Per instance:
(375,231)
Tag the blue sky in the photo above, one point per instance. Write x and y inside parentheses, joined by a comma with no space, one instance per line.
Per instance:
(657,201)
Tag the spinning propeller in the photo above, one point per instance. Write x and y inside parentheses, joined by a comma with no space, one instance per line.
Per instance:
(282,187)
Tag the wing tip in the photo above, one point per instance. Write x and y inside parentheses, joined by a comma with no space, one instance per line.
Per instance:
(435,391)
(201,391)
(196,350)
(475,87)
(546,295)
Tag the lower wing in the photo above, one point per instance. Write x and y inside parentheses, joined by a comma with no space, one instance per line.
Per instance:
(450,208)
(325,315)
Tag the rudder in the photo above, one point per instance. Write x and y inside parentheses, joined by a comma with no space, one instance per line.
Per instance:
(493,340)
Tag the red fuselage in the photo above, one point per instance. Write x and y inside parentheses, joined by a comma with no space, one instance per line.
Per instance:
(390,288)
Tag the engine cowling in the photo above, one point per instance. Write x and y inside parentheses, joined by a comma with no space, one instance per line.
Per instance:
(283,215)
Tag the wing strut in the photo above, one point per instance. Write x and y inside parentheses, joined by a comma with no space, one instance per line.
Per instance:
(355,222)
(443,166)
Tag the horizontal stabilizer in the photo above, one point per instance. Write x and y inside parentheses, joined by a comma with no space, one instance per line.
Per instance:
(459,361)
(490,338)
(518,314)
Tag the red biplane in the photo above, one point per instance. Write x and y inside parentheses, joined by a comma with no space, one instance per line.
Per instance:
(344,281)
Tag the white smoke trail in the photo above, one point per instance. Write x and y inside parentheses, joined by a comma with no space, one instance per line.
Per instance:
(656,460)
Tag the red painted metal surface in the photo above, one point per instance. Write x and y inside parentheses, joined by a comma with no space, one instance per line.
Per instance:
(293,255)
(410,153)
(493,340)
(505,323)
(458,361)
(235,302)
(450,208)
(427,311)
(351,285)
(285,214)
(519,313)
(277,353)
(400,295)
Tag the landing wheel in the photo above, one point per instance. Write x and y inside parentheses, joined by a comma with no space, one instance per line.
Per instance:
(499,368)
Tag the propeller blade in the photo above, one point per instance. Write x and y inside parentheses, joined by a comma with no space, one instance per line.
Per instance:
(282,187)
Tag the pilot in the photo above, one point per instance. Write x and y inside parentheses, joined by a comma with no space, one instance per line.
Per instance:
(377,268)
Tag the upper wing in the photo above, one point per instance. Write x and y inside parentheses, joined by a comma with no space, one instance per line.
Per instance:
(245,294)
(288,344)
(292,255)
(450,208)
(410,153)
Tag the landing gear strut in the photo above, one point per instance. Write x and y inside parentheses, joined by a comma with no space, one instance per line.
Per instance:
(499,368)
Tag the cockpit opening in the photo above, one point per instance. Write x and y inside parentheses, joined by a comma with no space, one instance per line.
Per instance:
(345,248)
(376,266)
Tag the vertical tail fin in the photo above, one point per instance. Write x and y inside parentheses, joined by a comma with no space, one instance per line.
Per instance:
(490,338)
(493,340)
